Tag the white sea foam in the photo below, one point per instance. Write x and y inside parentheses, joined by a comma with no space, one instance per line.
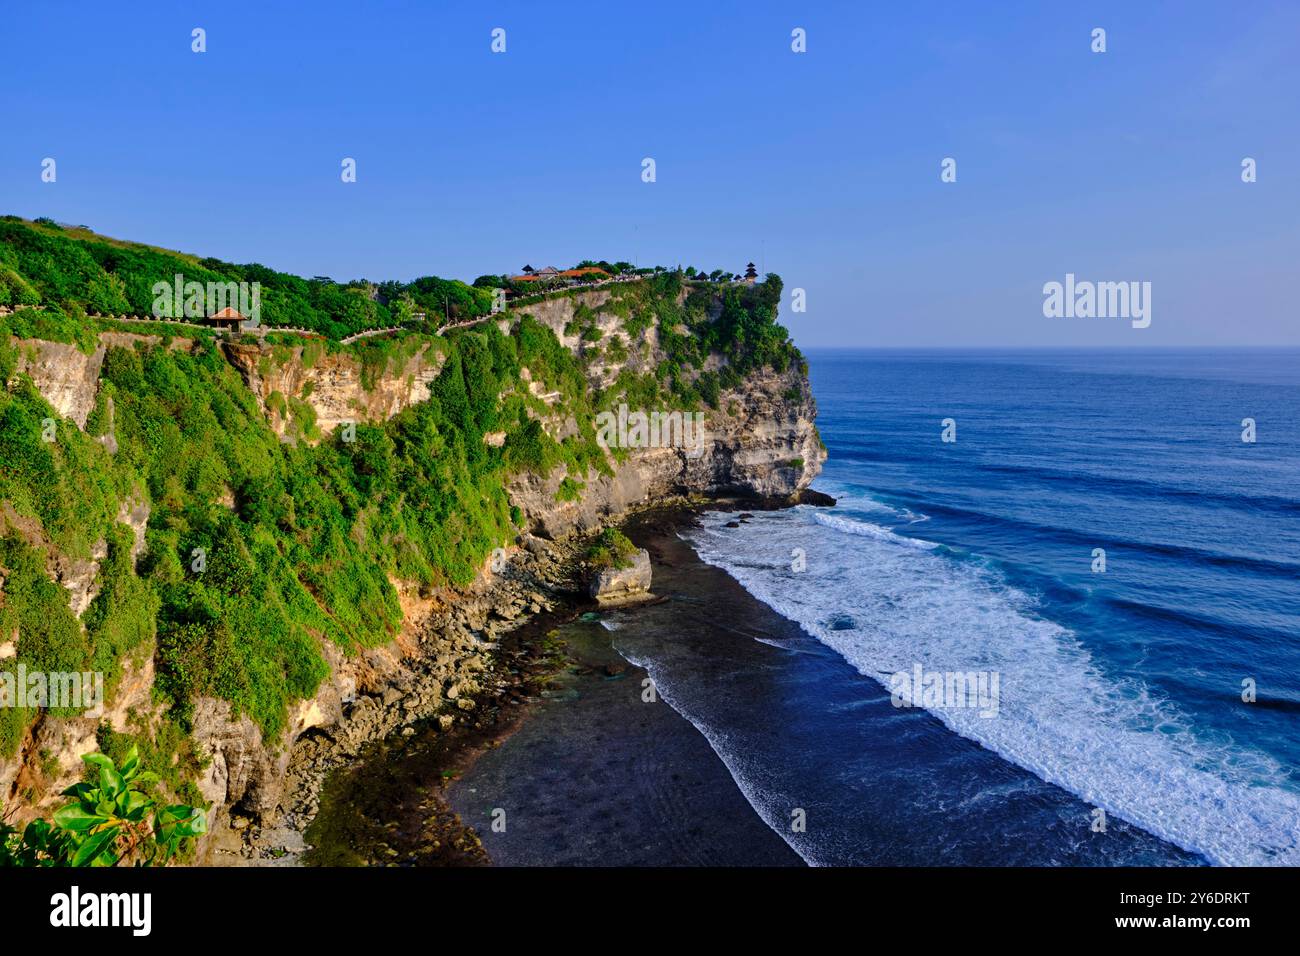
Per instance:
(868,530)
(1103,737)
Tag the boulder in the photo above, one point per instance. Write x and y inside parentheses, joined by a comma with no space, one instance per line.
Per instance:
(621,585)
(810,496)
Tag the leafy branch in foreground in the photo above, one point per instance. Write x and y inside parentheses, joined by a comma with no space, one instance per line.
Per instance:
(106,823)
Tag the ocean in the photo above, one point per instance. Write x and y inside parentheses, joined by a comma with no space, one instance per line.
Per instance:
(1119,733)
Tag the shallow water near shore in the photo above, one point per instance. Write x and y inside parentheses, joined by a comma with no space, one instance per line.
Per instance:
(754,725)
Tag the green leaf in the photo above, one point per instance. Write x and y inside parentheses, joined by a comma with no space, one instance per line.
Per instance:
(107,858)
(131,762)
(94,844)
(174,813)
(110,781)
(76,818)
(135,806)
(79,790)
(196,825)
(98,760)
(180,820)
(36,832)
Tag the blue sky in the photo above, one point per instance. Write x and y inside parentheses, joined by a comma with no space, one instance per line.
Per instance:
(823,166)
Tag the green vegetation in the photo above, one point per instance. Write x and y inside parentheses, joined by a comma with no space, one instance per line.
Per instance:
(570,490)
(737,323)
(166,750)
(51,641)
(122,619)
(257,550)
(239,598)
(611,549)
(81,272)
(112,819)
(52,325)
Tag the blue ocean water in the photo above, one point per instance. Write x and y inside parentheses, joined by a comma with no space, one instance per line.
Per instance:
(1120,690)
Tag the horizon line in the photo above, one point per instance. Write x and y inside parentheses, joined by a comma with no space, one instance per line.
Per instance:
(1046,348)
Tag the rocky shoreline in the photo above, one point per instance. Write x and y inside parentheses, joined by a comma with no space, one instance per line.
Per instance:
(481,661)
(468,665)
(607,770)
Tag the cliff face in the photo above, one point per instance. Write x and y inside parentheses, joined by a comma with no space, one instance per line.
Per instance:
(759,440)
(335,386)
(49,757)
(67,377)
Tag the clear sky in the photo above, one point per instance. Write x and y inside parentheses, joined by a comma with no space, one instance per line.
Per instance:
(823,167)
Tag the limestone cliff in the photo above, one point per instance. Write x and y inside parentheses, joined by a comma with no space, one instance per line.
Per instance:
(65,375)
(338,388)
(759,440)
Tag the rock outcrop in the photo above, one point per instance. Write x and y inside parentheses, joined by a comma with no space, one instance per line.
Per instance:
(760,442)
(338,388)
(263,793)
(625,584)
(67,377)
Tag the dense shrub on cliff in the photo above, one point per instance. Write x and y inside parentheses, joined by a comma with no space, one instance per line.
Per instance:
(51,640)
(611,550)
(314,533)
(737,323)
(77,270)
(51,325)
(256,550)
